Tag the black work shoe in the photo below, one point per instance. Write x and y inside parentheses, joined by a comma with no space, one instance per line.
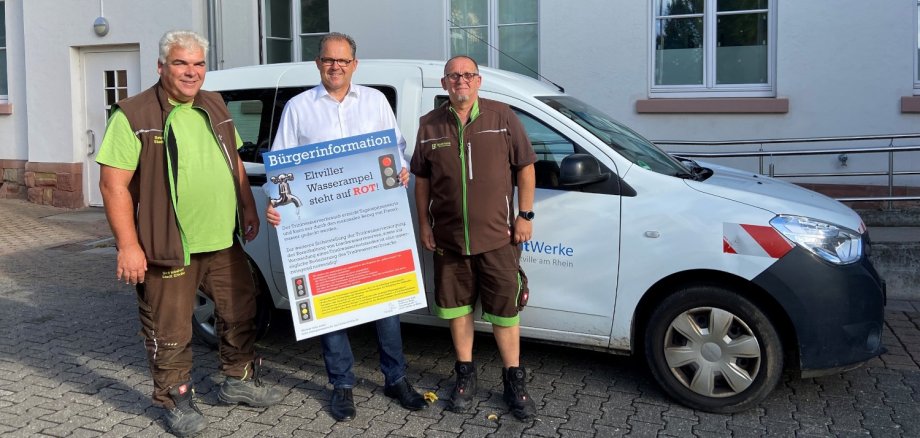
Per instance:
(249,389)
(514,380)
(185,419)
(462,396)
(408,397)
(342,406)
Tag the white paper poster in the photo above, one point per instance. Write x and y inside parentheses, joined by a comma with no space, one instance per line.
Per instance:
(346,236)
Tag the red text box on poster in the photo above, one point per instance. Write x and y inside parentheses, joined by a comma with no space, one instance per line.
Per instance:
(360,272)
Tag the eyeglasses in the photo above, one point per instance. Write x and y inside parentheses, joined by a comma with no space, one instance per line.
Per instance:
(456,76)
(341,62)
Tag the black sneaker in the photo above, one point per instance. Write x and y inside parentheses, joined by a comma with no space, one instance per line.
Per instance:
(185,419)
(249,389)
(514,380)
(465,388)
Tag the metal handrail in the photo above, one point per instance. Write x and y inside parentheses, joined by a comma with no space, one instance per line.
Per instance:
(841,152)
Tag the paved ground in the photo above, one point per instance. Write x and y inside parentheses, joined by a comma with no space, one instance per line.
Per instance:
(72,364)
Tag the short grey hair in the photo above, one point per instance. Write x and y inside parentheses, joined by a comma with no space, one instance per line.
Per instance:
(186,39)
(333,36)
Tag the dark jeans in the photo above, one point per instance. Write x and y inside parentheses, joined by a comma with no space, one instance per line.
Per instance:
(166,300)
(340,360)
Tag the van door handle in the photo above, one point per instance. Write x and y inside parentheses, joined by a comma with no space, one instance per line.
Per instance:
(91,142)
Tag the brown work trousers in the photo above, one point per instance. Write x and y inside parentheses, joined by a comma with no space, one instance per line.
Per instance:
(166,300)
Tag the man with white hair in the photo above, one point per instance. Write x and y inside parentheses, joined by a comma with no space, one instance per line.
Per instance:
(179,204)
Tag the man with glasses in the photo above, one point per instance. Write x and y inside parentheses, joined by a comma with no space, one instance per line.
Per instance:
(333,110)
(466,155)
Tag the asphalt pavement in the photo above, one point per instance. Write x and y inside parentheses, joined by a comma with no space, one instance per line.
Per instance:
(72,364)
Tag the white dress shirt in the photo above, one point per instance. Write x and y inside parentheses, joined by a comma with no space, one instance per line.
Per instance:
(314,116)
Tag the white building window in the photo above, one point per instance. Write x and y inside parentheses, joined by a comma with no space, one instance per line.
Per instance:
(293,29)
(496,33)
(709,48)
(4,85)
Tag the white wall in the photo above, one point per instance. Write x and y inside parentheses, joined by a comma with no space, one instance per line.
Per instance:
(843,66)
(14,145)
(843,69)
(597,52)
(54,32)
(392,29)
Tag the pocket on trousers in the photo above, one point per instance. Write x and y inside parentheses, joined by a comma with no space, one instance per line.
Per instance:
(524,292)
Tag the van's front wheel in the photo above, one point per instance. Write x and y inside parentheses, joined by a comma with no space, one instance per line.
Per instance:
(713,350)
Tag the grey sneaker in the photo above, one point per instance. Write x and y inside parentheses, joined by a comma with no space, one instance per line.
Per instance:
(249,389)
(462,395)
(185,419)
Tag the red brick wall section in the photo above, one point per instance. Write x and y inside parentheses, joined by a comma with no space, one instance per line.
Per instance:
(57,184)
(13,184)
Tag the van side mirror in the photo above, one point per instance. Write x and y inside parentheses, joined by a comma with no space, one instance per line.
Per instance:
(581,169)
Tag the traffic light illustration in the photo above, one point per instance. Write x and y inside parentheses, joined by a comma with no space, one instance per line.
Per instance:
(389,171)
(300,287)
(303,308)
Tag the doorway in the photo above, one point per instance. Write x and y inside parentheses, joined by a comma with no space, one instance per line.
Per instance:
(108,76)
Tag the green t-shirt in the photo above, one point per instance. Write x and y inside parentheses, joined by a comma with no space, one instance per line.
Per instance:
(206,199)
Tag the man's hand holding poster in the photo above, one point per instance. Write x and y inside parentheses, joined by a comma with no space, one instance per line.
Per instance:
(346,236)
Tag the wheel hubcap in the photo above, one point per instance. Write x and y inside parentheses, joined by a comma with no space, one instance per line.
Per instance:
(204,313)
(712,352)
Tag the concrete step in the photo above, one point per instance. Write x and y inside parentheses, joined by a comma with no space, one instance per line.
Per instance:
(896,256)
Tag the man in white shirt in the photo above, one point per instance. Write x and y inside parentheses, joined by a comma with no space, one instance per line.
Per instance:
(333,110)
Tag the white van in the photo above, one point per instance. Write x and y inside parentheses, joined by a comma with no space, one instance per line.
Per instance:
(721,278)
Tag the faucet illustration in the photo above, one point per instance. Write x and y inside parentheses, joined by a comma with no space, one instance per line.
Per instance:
(284,191)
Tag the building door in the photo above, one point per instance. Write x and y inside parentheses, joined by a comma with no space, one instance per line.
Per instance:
(108,77)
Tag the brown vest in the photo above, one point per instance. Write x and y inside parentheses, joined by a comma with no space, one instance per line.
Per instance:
(154,181)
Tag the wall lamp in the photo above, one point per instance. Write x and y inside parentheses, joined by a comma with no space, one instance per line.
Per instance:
(101,26)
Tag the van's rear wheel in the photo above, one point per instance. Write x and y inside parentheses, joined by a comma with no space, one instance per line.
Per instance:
(713,350)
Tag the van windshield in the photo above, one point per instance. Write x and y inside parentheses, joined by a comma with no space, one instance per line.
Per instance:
(621,139)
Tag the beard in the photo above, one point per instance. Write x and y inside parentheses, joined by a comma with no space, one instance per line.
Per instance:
(463,98)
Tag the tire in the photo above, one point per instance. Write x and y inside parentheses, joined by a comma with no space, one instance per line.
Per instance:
(204,323)
(725,370)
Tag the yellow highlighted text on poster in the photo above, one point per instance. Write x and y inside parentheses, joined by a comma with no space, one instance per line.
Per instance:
(366,295)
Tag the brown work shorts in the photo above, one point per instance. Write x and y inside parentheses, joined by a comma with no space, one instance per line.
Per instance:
(494,278)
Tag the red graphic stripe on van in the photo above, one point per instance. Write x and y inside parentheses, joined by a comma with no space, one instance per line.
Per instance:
(727,247)
(769,239)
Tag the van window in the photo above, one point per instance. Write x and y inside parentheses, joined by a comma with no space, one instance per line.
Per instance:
(257,114)
(618,137)
(246,115)
(550,147)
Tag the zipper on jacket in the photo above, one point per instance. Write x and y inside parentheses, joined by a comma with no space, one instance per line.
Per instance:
(461,130)
(463,188)
(469,159)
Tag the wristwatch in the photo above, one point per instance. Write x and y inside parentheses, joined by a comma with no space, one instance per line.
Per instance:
(528,215)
